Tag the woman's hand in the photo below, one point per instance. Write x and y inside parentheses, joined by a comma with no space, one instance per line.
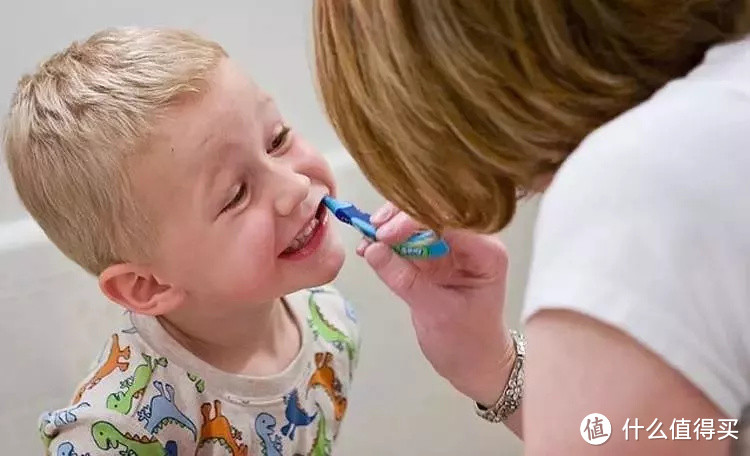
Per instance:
(456,302)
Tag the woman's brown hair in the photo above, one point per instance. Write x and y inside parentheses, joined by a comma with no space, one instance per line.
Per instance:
(454,107)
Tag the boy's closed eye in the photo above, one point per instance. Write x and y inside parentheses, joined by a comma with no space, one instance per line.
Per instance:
(278,142)
(239,195)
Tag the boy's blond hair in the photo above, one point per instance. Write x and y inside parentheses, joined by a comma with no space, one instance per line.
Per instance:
(74,123)
(451,107)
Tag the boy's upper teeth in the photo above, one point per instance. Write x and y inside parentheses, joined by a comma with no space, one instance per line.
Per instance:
(302,237)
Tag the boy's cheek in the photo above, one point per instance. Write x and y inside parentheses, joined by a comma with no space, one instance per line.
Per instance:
(333,259)
(251,285)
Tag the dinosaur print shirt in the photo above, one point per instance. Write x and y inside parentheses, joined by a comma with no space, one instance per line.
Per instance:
(149,396)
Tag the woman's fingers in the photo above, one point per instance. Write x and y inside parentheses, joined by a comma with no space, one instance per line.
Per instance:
(362,246)
(385,213)
(397,273)
(393,225)
(398,229)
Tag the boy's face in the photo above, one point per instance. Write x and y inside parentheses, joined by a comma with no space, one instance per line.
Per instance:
(237,198)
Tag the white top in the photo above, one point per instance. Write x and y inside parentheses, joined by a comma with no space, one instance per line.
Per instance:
(148,395)
(647,227)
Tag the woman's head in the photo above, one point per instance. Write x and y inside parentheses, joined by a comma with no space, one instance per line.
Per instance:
(454,107)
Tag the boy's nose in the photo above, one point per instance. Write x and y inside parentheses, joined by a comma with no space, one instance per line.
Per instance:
(291,190)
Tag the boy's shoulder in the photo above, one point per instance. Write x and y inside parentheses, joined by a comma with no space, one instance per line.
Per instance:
(127,397)
(124,359)
(331,318)
(325,298)
(86,429)
(325,309)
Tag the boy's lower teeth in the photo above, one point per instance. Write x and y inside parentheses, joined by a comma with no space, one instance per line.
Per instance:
(296,245)
(299,243)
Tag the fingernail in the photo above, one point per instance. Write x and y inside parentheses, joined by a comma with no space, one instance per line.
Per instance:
(362,246)
(379,216)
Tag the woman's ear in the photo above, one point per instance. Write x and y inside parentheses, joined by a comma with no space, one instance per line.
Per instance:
(138,290)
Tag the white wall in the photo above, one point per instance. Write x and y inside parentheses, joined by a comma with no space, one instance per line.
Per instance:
(54,321)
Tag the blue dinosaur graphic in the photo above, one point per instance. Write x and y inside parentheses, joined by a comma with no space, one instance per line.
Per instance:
(64,416)
(59,418)
(67,449)
(265,426)
(162,411)
(295,415)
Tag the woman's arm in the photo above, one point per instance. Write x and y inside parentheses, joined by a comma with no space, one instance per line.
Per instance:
(577,366)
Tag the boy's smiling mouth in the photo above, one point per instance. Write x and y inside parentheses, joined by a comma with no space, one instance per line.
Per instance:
(308,238)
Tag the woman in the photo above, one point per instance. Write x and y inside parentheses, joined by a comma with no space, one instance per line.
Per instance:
(638,297)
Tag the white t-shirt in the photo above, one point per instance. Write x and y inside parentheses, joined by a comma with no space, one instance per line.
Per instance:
(149,395)
(647,227)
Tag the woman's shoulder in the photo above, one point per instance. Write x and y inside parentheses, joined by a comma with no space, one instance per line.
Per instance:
(691,126)
(645,228)
(674,169)
(686,144)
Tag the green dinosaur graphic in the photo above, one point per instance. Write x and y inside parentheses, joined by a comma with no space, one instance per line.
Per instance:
(135,385)
(108,437)
(321,444)
(323,328)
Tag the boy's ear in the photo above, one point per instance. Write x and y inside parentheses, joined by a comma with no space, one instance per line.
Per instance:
(138,290)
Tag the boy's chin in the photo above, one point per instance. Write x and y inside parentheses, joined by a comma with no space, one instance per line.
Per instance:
(319,269)
(325,271)
(329,268)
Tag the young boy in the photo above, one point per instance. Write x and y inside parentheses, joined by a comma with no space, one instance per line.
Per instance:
(154,163)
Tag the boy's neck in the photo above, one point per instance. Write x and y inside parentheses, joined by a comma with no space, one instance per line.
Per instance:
(258,341)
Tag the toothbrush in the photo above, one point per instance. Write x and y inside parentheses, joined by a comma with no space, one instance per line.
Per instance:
(423,244)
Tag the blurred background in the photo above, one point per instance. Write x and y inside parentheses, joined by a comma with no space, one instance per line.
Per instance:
(54,321)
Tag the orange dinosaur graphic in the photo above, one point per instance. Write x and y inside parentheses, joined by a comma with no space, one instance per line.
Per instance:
(219,429)
(325,377)
(113,362)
